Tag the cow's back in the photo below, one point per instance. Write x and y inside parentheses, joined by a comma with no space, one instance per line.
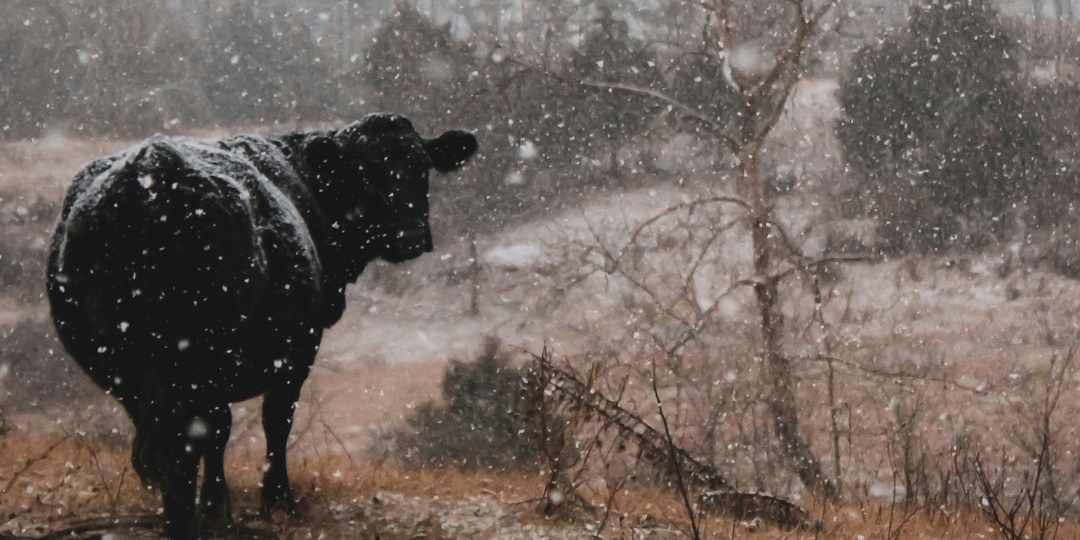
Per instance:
(162,266)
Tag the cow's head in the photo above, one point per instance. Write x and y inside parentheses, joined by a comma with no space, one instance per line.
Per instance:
(373,182)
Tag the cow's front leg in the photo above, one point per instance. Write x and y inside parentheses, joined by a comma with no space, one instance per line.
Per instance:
(279,404)
(214,496)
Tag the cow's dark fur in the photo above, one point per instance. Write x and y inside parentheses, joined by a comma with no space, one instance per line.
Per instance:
(188,274)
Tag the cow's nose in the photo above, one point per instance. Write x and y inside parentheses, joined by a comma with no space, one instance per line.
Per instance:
(417,235)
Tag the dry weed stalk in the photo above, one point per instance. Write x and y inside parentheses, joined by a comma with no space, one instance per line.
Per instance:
(28,464)
(673,459)
(1034,510)
(559,488)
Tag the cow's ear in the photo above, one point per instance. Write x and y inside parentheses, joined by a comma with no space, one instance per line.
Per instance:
(449,151)
(323,155)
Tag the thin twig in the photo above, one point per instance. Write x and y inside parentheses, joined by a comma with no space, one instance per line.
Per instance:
(119,486)
(715,129)
(101,472)
(673,456)
(30,463)
(79,528)
(895,374)
(333,434)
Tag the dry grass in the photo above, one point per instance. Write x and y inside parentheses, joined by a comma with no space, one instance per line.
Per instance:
(68,481)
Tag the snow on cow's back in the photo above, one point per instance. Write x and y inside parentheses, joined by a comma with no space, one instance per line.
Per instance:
(154,254)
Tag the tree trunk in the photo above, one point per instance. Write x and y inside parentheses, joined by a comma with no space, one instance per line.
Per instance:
(778,370)
(474,279)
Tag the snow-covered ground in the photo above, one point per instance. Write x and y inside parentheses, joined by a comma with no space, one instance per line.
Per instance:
(419,312)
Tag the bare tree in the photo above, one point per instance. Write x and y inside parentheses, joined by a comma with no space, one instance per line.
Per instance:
(736,31)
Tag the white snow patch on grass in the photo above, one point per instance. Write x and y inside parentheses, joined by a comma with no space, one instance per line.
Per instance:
(515,256)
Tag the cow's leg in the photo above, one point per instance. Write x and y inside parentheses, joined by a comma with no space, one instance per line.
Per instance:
(214,497)
(178,496)
(140,459)
(279,404)
(174,454)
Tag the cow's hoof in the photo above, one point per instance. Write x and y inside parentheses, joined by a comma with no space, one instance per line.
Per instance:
(218,526)
(214,506)
(180,531)
(216,516)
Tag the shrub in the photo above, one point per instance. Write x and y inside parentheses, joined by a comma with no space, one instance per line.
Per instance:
(488,419)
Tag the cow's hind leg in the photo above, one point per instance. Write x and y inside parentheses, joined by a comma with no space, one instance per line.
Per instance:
(179,499)
(214,496)
(279,404)
(173,457)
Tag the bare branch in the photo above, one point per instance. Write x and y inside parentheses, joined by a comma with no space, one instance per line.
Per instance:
(715,129)
(691,206)
(659,448)
(896,374)
(30,463)
(613,264)
(684,492)
(714,235)
(788,65)
(809,265)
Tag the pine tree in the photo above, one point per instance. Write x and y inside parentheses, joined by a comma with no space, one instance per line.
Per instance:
(609,54)
(416,68)
(937,123)
(241,59)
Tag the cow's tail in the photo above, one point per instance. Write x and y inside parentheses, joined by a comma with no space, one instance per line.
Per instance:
(158,267)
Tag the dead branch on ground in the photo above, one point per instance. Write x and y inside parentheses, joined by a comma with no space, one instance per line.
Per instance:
(661,450)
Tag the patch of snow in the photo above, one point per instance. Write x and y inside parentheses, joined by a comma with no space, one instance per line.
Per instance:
(528,151)
(515,256)
(514,178)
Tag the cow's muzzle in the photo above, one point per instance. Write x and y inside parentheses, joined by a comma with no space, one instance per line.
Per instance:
(408,241)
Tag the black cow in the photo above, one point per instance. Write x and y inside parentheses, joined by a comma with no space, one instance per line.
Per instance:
(188,274)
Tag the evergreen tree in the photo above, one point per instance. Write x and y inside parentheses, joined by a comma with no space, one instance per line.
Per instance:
(34,55)
(241,60)
(416,68)
(307,89)
(609,54)
(937,123)
(490,418)
(699,81)
(61,65)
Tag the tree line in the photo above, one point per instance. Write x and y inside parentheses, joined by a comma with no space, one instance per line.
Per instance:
(943,126)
